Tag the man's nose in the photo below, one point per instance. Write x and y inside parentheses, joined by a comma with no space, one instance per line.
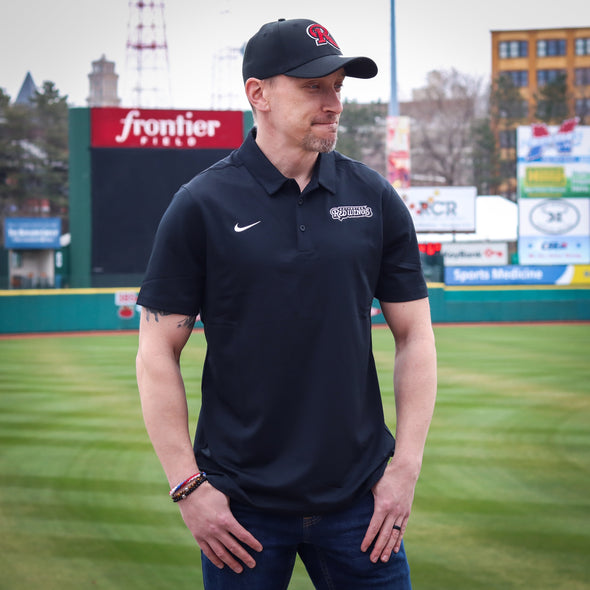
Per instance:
(333,102)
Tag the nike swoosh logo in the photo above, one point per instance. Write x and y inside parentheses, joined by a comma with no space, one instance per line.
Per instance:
(238,229)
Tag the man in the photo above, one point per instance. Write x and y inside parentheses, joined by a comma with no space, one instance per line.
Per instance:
(281,247)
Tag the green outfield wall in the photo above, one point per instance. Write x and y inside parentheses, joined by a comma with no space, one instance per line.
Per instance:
(73,310)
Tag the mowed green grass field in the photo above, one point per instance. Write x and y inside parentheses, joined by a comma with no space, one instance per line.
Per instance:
(503,501)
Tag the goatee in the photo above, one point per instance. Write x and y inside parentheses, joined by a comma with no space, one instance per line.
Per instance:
(318,144)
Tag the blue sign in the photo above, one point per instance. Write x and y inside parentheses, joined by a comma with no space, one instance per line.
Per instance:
(32,233)
(506,275)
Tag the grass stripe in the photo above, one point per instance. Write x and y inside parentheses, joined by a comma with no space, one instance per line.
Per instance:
(502,501)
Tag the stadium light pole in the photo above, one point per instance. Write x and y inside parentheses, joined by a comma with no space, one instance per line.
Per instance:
(393,110)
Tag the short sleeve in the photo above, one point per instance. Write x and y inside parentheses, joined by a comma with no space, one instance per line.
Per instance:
(400,276)
(175,276)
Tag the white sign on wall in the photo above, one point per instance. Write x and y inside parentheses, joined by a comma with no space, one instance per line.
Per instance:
(475,253)
(556,250)
(441,208)
(554,217)
(554,231)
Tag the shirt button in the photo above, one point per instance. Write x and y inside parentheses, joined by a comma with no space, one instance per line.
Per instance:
(300,201)
(302,227)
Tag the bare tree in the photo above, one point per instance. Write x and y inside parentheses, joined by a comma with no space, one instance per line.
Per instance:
(442,114)
(362,133)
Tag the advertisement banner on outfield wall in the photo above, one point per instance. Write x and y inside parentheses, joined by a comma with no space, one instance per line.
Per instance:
(32,233)
(554,217)
(475,253)
(518,275)
(581,275)
(441,208)
(553,160)
(554,250)
(554,231)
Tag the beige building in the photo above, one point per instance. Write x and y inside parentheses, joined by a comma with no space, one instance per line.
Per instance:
(532,58)
(103,84)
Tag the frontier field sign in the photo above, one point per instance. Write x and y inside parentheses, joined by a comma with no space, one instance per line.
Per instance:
(125,166)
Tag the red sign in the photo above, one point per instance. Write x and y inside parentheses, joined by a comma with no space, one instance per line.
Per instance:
(156,128)
(431,248)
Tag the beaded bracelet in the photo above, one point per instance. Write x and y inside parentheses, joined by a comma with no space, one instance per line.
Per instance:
(182,490)
(182,484)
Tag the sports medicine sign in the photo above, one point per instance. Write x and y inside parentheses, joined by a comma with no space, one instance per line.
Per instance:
(158,128)
(517,275)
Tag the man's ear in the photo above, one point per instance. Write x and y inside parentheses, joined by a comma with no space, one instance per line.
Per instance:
(255,92)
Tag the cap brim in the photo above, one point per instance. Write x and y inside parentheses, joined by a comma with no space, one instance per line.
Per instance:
(355,67)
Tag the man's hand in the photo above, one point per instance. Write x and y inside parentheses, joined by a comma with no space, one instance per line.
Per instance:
(207,514)
(393,495)
(414,384)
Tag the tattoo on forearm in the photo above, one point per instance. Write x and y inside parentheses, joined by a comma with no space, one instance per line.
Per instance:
(156,313)
(188,322)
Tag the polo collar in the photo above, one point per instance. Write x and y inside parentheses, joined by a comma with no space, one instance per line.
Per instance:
(271,179)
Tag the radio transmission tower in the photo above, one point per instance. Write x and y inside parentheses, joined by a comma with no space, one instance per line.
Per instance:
(226,88)
(227,91)
(146,64)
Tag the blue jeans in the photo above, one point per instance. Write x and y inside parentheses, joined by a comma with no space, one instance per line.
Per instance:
(328,545)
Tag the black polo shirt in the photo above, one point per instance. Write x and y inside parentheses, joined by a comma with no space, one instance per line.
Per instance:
(291,416)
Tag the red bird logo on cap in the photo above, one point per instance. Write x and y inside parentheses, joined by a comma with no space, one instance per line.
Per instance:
(321,35)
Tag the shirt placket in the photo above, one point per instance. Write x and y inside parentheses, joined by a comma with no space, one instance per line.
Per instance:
(302,218)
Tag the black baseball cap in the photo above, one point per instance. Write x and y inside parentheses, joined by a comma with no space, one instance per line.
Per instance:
(299,48)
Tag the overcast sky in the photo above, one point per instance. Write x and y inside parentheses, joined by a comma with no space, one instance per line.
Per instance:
(58,39)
